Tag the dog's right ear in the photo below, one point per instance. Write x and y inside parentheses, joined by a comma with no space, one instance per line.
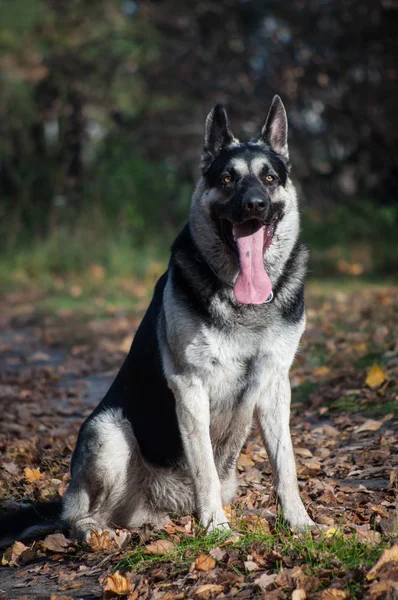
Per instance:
(218,135)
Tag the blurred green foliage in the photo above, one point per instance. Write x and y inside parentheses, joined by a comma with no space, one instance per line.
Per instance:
(102,108)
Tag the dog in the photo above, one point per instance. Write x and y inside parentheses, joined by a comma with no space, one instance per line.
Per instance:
(212,354)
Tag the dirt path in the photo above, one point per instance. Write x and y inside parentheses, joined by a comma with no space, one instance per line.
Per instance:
(54,369)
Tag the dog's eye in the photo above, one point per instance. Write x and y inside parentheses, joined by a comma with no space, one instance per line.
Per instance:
(270,178)
(227,179)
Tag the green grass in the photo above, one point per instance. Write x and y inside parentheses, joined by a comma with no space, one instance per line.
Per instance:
(319,555)
(185,552)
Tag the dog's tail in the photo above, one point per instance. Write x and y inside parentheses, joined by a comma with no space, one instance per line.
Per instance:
(30,520)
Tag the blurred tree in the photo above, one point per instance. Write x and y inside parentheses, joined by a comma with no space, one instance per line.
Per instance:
(84,84)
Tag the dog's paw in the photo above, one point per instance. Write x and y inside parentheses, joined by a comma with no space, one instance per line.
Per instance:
(215,521)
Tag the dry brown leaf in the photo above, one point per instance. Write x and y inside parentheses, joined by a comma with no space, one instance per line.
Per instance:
(245,461)
(265,580)
(13,553)
(383,589)
(366,534)
(116,585)
(250,566)
(105,541)
(56,542)
(160,547)
(208,590)
(33,475)
(204,563)
(233,538)
(376,377)
(72,585)
(334,594)
(330,431)
(389,555)
(255,523)
(369,425)
(217,553)
(304,452)
(299,594)
(11,467)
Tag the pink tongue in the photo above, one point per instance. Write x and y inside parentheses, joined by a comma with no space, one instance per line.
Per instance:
(253,285)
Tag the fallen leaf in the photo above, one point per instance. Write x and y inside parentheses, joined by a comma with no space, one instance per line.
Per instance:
(330,431)
(389,555)
(265,580)
(217,553)
(333,532)
(12,554)
(204,563)
(233,538)
(208,590)
(72,585)
(11,467)
(303,452)
(321,371)
(251,566)
(115,585)
(56,542)
(376,377)
(256,523)
(299,594)
(369,425)
(245,461)
(366,534)
(160,547)
(334,594)
(383,589)
(33,475)
(105,541)
(39,357)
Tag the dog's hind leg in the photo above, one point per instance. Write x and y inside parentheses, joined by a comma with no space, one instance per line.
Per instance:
(100,472)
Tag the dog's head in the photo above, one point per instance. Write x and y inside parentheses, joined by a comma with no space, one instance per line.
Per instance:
(244,194)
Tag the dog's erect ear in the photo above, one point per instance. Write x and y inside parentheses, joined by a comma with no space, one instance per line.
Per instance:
(218,134)
(274,132)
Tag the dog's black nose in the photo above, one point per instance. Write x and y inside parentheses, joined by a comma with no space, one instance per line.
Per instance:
(254,207)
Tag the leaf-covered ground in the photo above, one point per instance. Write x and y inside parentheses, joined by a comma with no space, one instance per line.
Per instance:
(58,356)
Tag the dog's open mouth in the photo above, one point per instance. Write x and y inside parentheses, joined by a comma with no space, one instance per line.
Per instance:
(250,240)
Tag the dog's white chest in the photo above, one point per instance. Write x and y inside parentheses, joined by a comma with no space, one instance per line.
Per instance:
(224,362)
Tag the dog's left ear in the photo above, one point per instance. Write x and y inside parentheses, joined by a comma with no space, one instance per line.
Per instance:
(218,134)
(274,132)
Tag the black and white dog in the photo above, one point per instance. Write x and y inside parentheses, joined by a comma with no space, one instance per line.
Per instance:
(212,352)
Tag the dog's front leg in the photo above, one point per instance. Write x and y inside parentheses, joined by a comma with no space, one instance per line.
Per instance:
(193,412)
(273,412)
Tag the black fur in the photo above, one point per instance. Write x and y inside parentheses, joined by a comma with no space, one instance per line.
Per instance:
(43,514)
(154,411)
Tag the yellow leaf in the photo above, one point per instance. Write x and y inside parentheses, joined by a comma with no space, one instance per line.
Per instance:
(389,555)
(322,371)
(376,377)
(332,532)
(116,585)
(160,547)
(33,475)
(204,563)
